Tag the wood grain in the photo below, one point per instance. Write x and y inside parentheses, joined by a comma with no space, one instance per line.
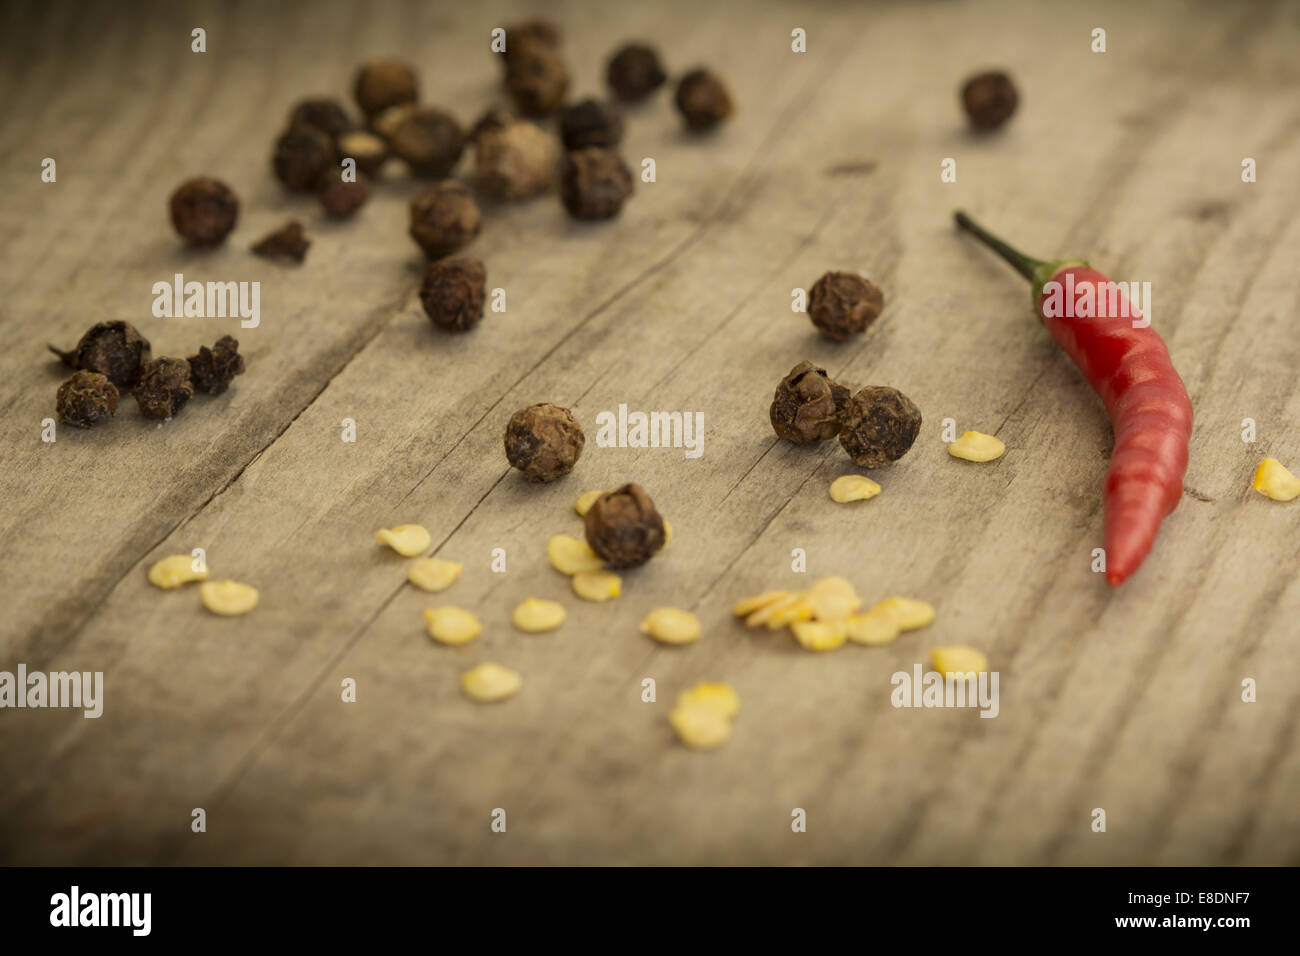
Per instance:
(1127,700)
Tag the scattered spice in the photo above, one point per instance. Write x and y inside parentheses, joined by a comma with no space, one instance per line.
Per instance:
(302,156)
(536,78)
(544,442)
(408,540)
(164,388)
(323,114)
(958,659)
(368,150)
(452,293)
(213,369)
(444,218)
(514,161)
(228,598)
(177,569)
(878,426)
(387,122)
(976,446)
(597,586)
(569,555)
(489,683)
(204,210)
(429,141)
(384,83)
(700,728)
(433,574)
(452,625)
(535,615)
(288,242)
(990,99)
(634,72)
(703,100)
(591,122)
(670,625)
(114,349)
(848,488)
(586,500)
(537,31)
(341,199)
(86,399)
(843,304)
(624,528)
(1274,480)
(492,118)
(807,405)
(594,182)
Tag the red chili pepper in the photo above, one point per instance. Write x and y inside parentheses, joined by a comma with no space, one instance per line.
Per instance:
(1131,371)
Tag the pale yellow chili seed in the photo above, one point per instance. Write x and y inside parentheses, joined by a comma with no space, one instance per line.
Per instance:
(569,555)
(668,534)
(909,613)
(597,585)
(976,446)
(488,683)
(670,625)
(958,659)
(535,615)
(175,570)
(800,610)
(700,728)
(408,540)
(228,598)
(452,625)
(764,613)
(819,635)
(433,574)
(848,488)
(1273,480)
(721,698)
(746,606)
(586,500)
(833,599)
(872,628)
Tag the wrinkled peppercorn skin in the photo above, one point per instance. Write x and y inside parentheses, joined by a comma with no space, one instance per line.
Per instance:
(514,161)
(634,72)
(591,123)
(444,218)
(703,100)
(384,83)
(807,405)
(302,156)
(164,388)
(843,304)
(989,99)
(322,114)
(452,293)
(288,242)
(536,78)
(593,183)
(538,31)
(86,399)
(113,349)
(878,426)
(623,527)
(543,441)
(429,141)
(203,211)
(342,199)
(212,370)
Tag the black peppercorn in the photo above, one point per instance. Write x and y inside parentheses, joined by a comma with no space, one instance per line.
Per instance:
(703,100)
(288,242)
(543,441)
(429,141)
(807,405)
(164,388)
(538,32)
(204,210)
(623,527)
(515,161)
(591,123)
(878,425)
(113,349)
(594,182)
(86,399)
(452,293)
(384,83)
(990,99)
(302,156)
(342,199)
(444,218)
(368,150)
(843,304)
(491,119)
(213,368)
(634,72)
(322,114)
(537,79)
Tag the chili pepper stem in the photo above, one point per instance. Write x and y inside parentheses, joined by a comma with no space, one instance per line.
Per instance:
(1027,266)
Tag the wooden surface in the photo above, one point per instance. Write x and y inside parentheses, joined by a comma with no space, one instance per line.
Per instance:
(1125,700)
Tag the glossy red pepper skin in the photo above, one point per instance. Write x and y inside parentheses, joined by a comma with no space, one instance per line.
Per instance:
(1130,370)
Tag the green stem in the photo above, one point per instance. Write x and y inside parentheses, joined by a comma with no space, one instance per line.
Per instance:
(1027,266)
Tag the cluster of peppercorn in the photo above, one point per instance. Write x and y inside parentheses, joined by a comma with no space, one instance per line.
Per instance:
(113,357)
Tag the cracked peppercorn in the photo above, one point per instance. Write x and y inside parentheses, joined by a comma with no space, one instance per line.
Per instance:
(990,99)
(341,199)
(288,242)
(543,441)
(323,114)
(444,218)
(212,370)
(114,349)
(429,141)
(514,161)
(86,399)
(703,100)
(302,156)
(594,182)
(368,150)
(634,72)
(164,388)
(537,79)
(203,211)
(807,405)
(623,527)
(878,425)
(843,304)
(452,293)
(384,83)
(591,122)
